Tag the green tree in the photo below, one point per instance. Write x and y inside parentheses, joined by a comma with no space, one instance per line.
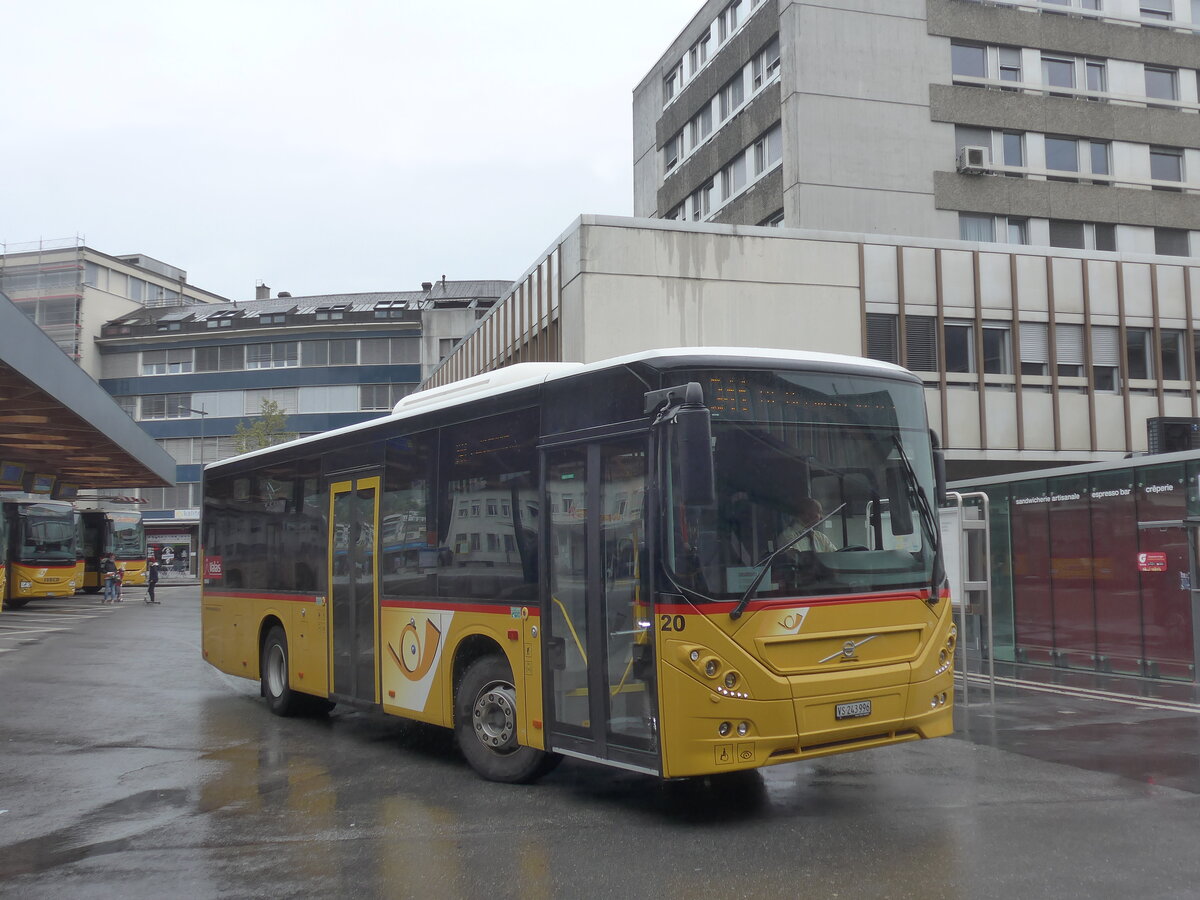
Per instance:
(264,431)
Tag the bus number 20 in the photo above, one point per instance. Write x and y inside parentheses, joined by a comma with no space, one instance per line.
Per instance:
(673,623)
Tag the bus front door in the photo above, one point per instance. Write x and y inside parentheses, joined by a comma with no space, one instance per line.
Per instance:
(353,596)
(599,652)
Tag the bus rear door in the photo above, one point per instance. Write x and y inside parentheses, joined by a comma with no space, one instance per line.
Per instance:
(353,593)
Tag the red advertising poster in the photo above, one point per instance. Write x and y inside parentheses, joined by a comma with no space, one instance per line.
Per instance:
(1152,562)
(212,567)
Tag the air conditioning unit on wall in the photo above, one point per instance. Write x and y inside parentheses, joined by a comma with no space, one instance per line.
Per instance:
(973,160)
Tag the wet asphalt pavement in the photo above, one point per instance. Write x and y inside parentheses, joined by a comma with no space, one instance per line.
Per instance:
(131,768)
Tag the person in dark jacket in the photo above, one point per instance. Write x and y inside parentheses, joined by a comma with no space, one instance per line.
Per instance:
(151,580)
(108,572)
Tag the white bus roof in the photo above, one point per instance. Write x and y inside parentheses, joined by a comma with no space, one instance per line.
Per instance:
(523,375)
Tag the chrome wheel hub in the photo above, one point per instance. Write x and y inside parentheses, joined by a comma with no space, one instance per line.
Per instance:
(494,717)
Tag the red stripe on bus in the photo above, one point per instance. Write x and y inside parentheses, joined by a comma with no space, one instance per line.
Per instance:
(465,606)
(791,602)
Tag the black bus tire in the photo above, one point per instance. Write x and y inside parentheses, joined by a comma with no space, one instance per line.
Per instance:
(485,717)
(273,670)
(16,602)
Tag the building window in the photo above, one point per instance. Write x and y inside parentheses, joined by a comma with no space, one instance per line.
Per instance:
(1058,71)
(1172,356)
(1171,242)
(1068,350)
(219,359)
(1162,84)
(329,313)
(701,202)
(1138,342)
(698,55)
(1010,65)
(973,227)
(997,348)
(273,356)
(390,309)
(1083,235)
(166,362)
(1097,76)
(969,60)
(273,319)
(882,337)
(920,343)
(768,149)
(1106,357)
(167,406)
(1062,155)
(1014,151)
(128,405)
(774,220)
(733,176)
(1161,10)
(1035,355)
(730,96)
(765,64)
(383,396)
(727,21)
(284,398)
(960,346)
(672,83)
(673,151)
(1166,164)
(1018,230)
(701,125)
(1098,155)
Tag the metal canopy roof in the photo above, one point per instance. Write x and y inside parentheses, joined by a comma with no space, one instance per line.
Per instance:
(56,420)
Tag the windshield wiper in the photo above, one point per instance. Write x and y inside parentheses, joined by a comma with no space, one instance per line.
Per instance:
(928,521)
(765,566)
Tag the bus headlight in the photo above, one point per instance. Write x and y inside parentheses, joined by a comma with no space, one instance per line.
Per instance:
(742,728)
(711,667)
(26,585)
(731,680)
(724,728)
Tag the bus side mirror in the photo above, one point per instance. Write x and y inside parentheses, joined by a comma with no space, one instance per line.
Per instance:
(693,431)
(939,469)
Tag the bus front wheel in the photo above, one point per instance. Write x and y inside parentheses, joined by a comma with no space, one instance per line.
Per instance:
(485,723)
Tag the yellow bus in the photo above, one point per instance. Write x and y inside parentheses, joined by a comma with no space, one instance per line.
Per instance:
(678,562)
(110,526)
(40,548)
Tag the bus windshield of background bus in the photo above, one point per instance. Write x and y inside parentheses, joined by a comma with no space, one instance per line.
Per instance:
(128,537)
(790,448)
(45,533)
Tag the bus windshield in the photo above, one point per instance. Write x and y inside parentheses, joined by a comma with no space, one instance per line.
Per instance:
(128,536)
(820,479)
(45,533)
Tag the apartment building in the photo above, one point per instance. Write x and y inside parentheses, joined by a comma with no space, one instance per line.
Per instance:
(1061,123)
(190,375)
(70,290)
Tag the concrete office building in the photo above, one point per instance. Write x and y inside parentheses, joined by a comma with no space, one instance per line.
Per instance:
(1031,356)
(190,375)
(70,290)
(1064,123)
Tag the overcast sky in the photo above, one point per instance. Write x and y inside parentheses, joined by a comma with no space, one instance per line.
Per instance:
(322,147)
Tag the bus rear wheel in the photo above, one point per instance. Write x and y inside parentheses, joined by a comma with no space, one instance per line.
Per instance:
(281,699)
(485,723)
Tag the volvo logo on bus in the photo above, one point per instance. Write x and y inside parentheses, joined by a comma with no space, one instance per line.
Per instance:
(849,649)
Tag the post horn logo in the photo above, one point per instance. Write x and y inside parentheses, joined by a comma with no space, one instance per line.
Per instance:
(416,656)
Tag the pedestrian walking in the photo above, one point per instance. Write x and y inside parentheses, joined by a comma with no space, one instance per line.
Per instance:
(120,583)
(151,581)
(108,572)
